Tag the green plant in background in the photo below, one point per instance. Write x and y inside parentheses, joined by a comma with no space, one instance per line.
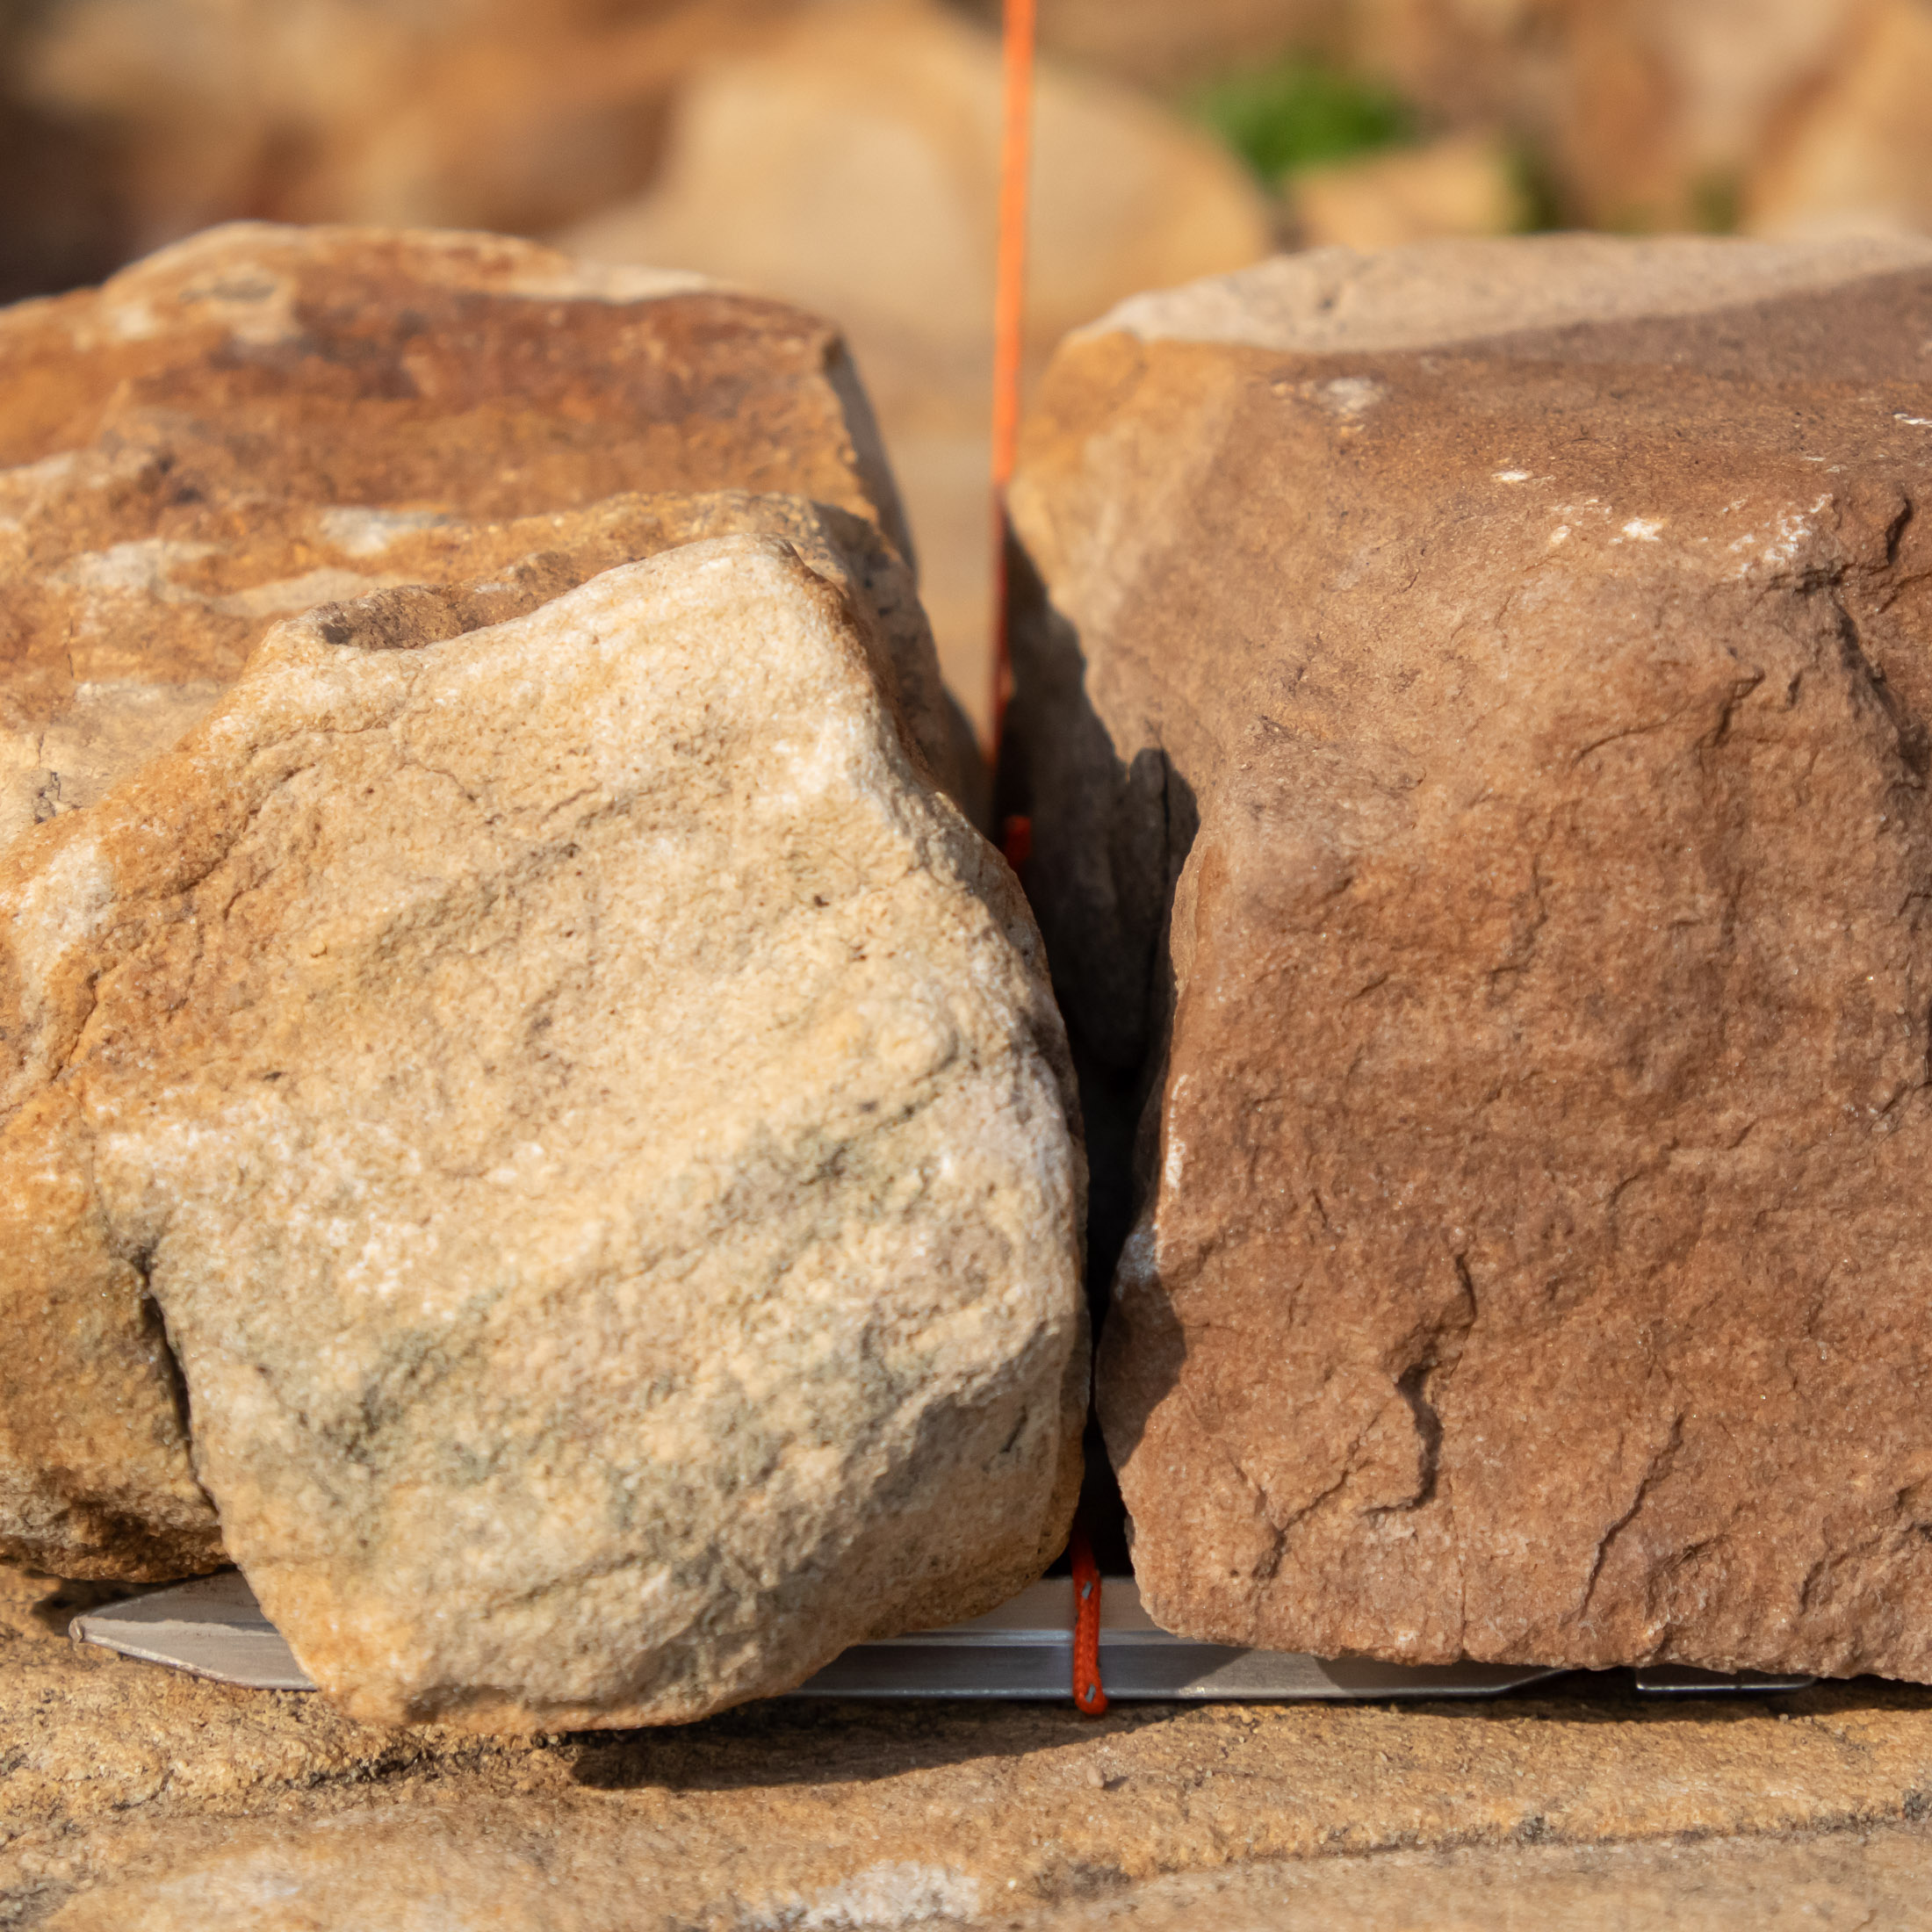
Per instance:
(1298,112)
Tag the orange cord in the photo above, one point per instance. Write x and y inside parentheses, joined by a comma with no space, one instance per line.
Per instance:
(1010,312)
(1009,349)
(1087,1692)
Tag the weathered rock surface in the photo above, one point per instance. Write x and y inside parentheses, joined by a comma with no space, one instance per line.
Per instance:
(266,419)
(514,1869)
(158,607)
(1512,659)
(851,163)
(130,1790)
(587,1119)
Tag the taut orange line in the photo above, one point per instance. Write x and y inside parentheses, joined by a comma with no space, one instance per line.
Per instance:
(1010,311)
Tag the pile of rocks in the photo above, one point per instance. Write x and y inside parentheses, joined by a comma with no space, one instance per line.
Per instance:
(535,1122)
(532,1121)
(1778,116)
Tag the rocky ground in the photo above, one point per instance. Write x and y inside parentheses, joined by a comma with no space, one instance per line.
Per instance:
(136,1797)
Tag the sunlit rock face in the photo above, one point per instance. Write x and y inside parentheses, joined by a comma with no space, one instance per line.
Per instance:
(1473,708)
(556,1129)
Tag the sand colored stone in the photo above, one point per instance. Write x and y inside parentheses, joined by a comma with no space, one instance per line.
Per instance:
(264,419)
(1852,155)
(158,607)
(589,1117)
(506,1871)
(1475,727)
(138,1797)
(1462,185)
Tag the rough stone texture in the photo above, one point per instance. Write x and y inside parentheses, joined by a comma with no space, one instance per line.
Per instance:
(1847,1881)
(265,418)
(513,1870)
(852,164)
(130,1790)
(162,608)
(1531,730)
(591,1123)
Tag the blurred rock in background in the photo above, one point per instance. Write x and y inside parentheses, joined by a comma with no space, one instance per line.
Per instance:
(469,113)
(1853,153)
(851,164)
(59,222)
(1647,115)
(1463,184)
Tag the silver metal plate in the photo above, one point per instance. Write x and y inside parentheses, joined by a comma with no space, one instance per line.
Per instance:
(1024,1649)
(1679,1680)
(214,1628)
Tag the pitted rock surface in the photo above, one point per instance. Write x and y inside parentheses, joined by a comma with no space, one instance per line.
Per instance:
(1475,722)
(586,1117)
(264,419)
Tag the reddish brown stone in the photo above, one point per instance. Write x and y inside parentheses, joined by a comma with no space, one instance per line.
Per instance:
(1475,732)
(265,418)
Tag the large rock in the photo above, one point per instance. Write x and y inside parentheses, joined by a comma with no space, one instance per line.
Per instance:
(1475,727)
(264,420)
(853,164)
(1462,184)
(571,1126)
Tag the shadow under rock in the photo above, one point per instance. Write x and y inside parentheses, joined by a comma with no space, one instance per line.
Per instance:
(68,1599)
(784,1744)
(814,1742)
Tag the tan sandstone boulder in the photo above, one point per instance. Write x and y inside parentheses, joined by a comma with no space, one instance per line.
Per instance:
(1475,724)
(266,419)
(561,1130)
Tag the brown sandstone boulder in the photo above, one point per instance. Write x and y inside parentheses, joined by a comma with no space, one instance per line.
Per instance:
(1476,725)
(264,419)
(559,1129)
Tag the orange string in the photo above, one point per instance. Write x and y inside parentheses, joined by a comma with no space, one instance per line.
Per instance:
(1010,312)
(1009,349)
(1087,1690)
